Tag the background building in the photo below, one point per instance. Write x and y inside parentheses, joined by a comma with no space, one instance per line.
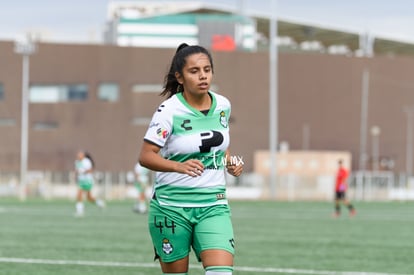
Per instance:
(218,31)
(101,97)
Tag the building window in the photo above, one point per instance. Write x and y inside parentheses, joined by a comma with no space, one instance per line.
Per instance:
(1,91)
(58,93)
(45,125)
(158,88)
(77,92)
(147,88)
(7,122)
(108,92)
(141,121)
(214,88)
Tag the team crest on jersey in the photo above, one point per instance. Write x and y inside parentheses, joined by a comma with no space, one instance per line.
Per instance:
(162,132)
(223,119)
(167,246)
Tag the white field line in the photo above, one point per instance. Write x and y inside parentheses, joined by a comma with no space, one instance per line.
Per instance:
(156,265)
(75,262)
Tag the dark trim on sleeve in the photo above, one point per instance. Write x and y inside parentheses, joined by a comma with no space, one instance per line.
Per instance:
(153,143)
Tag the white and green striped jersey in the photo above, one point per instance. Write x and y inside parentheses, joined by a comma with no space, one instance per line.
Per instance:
(82,166)
(185,133)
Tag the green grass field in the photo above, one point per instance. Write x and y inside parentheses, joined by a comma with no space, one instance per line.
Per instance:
(43,237)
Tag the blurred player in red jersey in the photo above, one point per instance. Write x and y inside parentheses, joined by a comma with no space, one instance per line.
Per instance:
(340,191)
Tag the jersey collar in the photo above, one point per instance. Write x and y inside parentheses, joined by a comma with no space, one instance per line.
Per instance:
(194,110)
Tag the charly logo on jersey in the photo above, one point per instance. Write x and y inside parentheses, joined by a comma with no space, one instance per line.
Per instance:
(223,119)
(161,132)
(185,125)
(167,246)
(160,108)
(231,242)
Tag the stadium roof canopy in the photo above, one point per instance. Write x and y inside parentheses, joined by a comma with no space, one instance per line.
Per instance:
(329,37)
(294,34)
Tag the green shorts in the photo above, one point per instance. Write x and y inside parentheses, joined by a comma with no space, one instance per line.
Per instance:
(85,184)
(174,230)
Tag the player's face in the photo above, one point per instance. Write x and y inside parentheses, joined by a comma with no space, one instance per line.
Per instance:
(197,74)
(80,155)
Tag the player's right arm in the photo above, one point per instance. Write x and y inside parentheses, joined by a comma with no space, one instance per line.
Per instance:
(150,158)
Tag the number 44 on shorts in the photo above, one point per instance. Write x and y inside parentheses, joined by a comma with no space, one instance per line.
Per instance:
(164,224)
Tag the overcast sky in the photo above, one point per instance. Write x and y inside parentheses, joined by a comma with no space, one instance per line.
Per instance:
(83,20)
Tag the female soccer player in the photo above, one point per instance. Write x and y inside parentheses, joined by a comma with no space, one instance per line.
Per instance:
(187,144)
(84,166)
(141,184)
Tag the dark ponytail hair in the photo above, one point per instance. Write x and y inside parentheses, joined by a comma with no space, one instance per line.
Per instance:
(88,155)
(171,85)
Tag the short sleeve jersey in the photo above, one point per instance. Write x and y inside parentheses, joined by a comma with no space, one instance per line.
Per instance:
(82,166)
(341,177)
(183,132)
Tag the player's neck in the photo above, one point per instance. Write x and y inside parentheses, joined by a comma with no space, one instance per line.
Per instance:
(202,102)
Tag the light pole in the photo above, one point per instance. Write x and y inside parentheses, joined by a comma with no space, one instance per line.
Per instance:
(305,136)
(409,111)
(273,96)
(375,133)
(364,120)
(25,47)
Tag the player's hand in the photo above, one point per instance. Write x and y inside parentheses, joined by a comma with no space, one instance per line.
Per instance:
(234,170)
(192,167)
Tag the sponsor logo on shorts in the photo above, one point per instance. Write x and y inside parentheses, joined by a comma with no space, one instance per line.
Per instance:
(220,196)
(167,246)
